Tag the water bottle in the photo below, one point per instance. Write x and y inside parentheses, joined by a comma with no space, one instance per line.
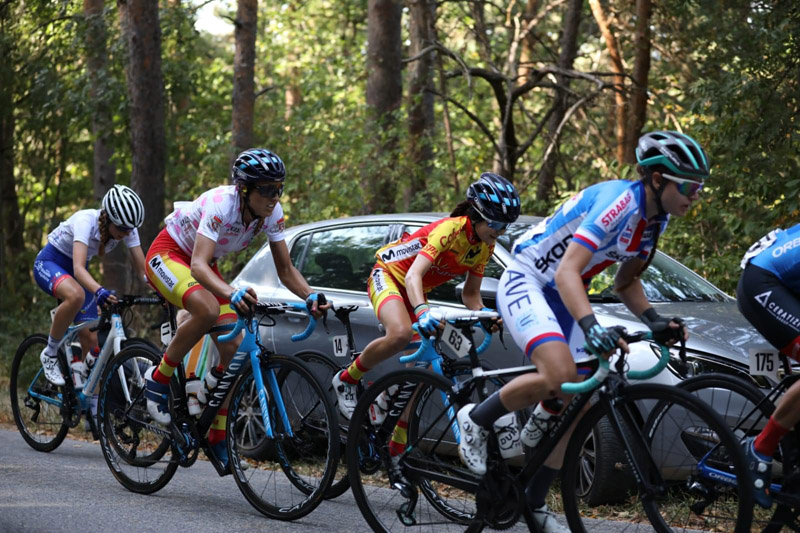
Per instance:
(380,407)
(209,384)
(507,433)
(79,372)
(539,422)
(91,358)
(193,388)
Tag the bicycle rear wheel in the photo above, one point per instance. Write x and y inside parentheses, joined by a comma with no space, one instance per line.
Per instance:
(430,464)
(35,402)
(136,449)
(286,477)
(673,494)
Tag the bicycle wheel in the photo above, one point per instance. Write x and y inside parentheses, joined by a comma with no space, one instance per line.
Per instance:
(35,402)
(672,494)
(456,506)
(290,475)
(430,455)
(136,449)
(740,403)
(324,368)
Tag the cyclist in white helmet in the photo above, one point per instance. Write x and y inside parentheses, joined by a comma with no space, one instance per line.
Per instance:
(60,267)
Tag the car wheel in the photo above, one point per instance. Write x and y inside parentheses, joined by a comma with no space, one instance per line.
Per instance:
(604,476)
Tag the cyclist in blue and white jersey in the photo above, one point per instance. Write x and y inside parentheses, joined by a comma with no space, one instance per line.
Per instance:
(60,267)
(542,294)
(768,295)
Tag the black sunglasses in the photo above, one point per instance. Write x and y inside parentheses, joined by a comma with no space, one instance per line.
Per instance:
(269,191)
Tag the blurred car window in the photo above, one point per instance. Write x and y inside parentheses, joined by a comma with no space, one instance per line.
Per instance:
(340,258)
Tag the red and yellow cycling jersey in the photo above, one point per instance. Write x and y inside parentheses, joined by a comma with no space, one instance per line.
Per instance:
(450,243)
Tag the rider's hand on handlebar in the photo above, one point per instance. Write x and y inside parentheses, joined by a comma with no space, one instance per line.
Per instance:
(242,304)
(105,297)
(665,331)
(601,341)
(496,323)
(317,304)
(427,324)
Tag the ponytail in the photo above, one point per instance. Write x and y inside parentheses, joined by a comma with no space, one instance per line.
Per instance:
(465,208)
(105,235)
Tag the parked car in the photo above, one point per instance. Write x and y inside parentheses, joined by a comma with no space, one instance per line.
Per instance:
(336,256)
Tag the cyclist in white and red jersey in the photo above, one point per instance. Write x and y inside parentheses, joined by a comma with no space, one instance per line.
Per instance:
(60,268)
(182,266)
(542,294)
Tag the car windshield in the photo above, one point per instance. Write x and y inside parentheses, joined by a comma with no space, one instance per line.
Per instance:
(666,280)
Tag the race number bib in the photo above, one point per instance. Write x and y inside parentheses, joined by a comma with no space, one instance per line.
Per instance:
(764,362)
(456,340)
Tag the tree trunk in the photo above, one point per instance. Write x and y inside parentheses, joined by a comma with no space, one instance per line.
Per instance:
(244,62)
(528,43)
(566,58)
(621,111)
(384,96)
(641,69)
(420,109)
(104,170)
(142,32)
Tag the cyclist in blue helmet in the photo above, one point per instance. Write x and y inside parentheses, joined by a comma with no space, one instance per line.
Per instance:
(543,301)
(182,265)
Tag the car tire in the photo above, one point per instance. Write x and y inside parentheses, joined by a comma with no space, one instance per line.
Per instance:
(603,458)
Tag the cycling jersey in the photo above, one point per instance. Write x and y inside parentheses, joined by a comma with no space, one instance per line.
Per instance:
(607,218)
(84,226)
(217,214)
(450,243)
(778,252)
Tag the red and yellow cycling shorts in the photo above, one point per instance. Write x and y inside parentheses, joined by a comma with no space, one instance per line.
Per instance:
(382,287)
(168,269)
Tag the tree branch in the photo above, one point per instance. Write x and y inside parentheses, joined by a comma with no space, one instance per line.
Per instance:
(471,115)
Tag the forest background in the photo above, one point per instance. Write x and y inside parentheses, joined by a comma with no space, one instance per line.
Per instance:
(385,105)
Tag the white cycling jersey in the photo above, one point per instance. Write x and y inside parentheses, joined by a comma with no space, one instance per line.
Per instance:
(217,214)
(607,218)
(84,226)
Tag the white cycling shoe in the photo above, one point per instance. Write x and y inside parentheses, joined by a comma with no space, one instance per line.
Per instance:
(547,521)
(472,447)
(345,395)
(51,370)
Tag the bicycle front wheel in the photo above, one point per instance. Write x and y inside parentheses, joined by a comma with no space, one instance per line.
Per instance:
(35,402)
(424,488)
(137,451)
(677,458)
(286,476)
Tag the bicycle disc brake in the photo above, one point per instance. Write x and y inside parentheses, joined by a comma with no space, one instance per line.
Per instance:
(499,499)
(186,441)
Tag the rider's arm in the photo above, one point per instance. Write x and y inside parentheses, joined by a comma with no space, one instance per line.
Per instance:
(568,280)
(413,279)
(202,255)
(289,275)
(79,253)
(137,258)
(471,295)
(629,288)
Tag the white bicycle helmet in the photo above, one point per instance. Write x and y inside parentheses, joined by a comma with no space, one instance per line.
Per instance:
(123,207)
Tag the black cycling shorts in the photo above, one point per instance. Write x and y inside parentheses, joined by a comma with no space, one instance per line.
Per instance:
(771,308)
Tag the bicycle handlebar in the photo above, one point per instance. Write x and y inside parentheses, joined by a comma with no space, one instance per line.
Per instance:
(451,315)
(271,309)
(597,378)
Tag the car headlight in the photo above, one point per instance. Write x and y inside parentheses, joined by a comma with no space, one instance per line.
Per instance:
(705,364)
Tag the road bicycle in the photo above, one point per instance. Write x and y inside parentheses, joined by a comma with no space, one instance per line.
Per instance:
(44,412)
(284,478)
(446,364)
(666,491)
(747,408)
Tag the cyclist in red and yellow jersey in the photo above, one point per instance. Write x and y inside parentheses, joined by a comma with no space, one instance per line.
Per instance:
(410,267)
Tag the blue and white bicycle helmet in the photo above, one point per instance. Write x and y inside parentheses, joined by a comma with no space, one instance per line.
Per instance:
(494,198)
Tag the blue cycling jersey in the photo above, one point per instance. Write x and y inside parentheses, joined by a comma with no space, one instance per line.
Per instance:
(779,253)
(607,218)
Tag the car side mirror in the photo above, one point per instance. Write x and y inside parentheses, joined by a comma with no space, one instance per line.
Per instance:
(488,291)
